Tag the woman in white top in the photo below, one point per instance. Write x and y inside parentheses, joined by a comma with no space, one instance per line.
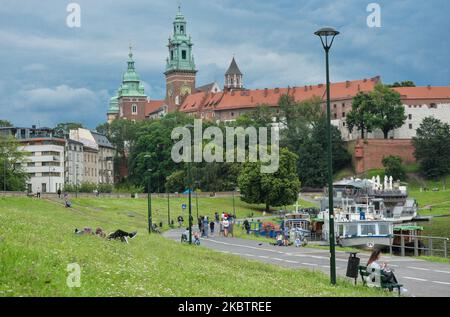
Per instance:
(225,224)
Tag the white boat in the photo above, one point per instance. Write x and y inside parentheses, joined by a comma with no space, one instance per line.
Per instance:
(363,229)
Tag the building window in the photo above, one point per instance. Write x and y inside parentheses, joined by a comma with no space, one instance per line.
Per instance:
(171,55)
(410,117)
(410,126)
(335,115)
(343,115)
(335,106)
(232,114)
(433,105)
(183,54)
(182,29)
(134,109)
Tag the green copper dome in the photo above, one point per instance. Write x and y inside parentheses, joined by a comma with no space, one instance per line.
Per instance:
(180,47)
(113,105)
(131,83)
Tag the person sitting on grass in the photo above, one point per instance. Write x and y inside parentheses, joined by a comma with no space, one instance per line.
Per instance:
(85,230)
(197,238)
(279,240)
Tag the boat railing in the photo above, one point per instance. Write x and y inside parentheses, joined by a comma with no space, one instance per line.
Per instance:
(418,245)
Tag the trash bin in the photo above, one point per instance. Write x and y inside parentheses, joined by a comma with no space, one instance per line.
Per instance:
(352,266)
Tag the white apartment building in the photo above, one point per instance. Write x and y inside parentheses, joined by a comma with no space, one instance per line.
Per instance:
(44,165)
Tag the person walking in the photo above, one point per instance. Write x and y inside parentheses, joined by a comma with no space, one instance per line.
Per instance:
(211,227)
(247,226)
(226,225)
(216,217)
(59,193)
(205,226)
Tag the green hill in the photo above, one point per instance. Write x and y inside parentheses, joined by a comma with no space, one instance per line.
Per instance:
(37,243)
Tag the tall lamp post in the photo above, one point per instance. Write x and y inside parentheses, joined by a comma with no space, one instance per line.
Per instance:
(168,204)
(327,36)
(149,204)
(190,127)
(4,174)
(196,196)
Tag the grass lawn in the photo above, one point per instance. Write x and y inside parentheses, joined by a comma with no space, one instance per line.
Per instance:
(37,243)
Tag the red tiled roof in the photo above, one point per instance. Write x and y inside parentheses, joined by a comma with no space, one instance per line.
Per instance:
(252,98)
(424,92)
(152,106)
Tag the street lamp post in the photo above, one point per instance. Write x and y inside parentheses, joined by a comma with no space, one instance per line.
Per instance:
(168,205)
(4,173)
(149,205)
(196,196)
(327,36)
(190,127)
(76,180)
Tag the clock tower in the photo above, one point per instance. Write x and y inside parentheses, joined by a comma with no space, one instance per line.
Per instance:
(180,67)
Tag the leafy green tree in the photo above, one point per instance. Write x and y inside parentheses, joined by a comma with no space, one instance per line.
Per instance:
(65,127)
(12,175)
(150,152)
(393,167)
(388,111)
(361,116)
(432,147)
(406,83)
(304,130)
(5,123)
(312,163)
(277,189)
(176,182)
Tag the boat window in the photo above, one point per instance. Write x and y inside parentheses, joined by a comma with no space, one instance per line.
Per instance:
(351,230)
(384,228)
(367,229)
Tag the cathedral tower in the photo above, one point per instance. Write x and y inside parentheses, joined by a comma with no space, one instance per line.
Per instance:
(233,77)
(180,67)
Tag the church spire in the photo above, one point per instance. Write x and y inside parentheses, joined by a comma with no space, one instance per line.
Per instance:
(180,46)
(233,77)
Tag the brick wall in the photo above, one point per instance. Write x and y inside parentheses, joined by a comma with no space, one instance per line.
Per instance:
(368,154)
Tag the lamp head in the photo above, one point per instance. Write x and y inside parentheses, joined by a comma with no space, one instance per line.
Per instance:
(327,36)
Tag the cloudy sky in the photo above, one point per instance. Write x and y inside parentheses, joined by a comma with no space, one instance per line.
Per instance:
(51,73)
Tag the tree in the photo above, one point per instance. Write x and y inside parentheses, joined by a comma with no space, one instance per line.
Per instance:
(388,111)
(406,83)
(65,127)
(432,147)
(381,108)
(5,123)
(312,163)
(361,116)
(12,176)
(277,189)
(393,167)
(305,128)
(176,182)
